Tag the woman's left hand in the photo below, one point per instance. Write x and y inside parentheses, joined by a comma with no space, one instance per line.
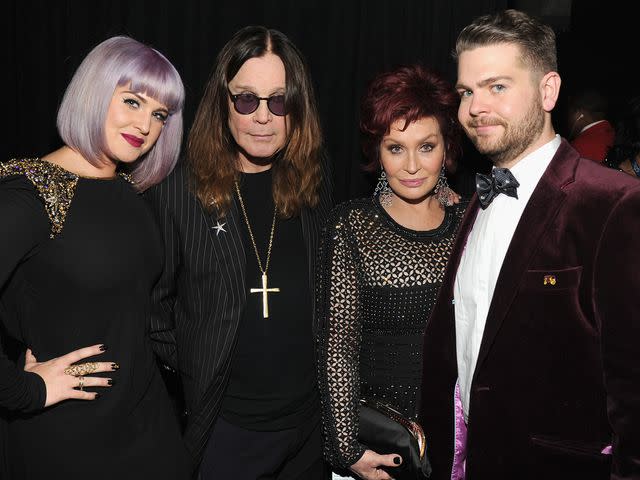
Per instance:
(60,377)
(368,466)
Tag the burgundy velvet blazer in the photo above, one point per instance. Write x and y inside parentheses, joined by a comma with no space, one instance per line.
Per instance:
(558,373)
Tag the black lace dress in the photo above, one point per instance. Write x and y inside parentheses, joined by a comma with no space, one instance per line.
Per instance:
(78,260)
(377,283)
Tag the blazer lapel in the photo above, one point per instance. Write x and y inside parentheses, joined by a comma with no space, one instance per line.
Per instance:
(225,234)
(458,248)
(536,218)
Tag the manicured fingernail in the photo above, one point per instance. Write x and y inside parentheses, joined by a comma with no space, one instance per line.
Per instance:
(396,460)
(103,348)
(97,396)
(111,382)
(115,366)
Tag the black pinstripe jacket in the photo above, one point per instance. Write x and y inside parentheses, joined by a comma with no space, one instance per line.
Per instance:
(201,294)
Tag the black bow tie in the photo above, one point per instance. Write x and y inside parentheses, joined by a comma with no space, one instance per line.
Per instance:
(500,181)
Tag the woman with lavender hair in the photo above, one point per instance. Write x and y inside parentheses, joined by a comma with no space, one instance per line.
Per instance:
(79,255)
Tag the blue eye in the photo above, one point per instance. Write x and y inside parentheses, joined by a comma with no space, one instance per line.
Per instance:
(161,116)
(427,147)
(394,149)
(499,88)
(132,102)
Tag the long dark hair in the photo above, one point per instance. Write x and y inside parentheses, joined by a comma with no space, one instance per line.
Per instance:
(211,150)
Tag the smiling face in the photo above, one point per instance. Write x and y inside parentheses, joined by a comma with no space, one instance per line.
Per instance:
(504,107)
(261,134)
(133,124)
(412,159)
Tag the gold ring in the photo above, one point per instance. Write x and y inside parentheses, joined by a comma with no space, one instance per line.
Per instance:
(81,383)
(81,369)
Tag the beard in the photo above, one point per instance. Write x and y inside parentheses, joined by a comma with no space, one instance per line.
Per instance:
(516,137)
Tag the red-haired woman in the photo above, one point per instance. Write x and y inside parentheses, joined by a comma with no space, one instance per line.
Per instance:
(383,259)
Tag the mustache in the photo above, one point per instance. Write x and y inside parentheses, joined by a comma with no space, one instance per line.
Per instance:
(484,122)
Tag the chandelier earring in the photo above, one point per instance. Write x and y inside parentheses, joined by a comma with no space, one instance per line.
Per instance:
(442,190)
(383,190)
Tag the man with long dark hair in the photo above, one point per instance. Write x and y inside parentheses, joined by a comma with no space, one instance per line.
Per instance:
(241,223)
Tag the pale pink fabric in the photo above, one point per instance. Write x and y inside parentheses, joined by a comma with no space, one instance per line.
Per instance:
(460,441)
(607,450)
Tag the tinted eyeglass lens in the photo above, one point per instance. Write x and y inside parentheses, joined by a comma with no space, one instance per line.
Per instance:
(276,105)
(246,103)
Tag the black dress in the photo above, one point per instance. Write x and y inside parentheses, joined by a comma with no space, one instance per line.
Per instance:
(377,283)
(78,259)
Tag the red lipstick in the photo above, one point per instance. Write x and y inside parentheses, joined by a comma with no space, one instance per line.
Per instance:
(133,140)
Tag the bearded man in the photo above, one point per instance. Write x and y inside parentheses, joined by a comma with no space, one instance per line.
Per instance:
(531,364)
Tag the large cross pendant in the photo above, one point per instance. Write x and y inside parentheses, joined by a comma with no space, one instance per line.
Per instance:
(265,291)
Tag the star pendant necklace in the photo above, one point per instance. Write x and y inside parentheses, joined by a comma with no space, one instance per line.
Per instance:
(265,291)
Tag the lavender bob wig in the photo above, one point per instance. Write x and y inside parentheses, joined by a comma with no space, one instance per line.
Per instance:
(116,62)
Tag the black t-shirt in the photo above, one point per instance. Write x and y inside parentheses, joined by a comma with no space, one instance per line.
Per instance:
(272,385)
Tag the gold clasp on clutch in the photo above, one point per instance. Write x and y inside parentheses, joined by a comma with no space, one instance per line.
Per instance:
(414,428)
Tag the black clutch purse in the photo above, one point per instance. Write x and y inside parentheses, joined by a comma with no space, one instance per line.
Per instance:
(384,430)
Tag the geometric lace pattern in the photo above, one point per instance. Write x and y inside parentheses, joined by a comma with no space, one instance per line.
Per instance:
(376,284)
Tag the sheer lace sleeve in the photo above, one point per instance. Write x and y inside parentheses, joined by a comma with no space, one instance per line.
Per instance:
(339,338)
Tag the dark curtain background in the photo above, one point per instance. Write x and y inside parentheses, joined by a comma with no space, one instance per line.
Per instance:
(345,43)
(600,50)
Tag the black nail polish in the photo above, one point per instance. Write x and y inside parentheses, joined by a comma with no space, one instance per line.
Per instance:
(103,348)
(115,366)
(396,460)
(97,396)
(111,382)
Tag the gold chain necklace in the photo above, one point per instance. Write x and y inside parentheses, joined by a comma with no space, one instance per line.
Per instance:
(264,290)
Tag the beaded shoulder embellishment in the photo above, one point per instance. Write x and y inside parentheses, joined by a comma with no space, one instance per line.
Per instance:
(128,177)
(55,186)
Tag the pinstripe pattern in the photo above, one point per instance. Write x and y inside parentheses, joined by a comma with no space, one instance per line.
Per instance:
(202,294)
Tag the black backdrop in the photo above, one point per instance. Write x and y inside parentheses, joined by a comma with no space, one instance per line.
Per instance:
(345,43)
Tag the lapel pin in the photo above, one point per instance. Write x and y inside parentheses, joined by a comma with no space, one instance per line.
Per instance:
(549,280)
(219,227)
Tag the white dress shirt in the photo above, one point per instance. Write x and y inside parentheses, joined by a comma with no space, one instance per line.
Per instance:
(482,259)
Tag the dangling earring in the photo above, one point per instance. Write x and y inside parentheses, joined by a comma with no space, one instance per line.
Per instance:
(442,190)
(383,190)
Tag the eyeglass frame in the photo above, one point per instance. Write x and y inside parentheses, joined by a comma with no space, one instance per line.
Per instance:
(234,99)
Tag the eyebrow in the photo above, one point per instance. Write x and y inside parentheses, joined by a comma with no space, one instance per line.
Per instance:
(144,100)
(135,94)
(254,89)
(486,81)
(424,139)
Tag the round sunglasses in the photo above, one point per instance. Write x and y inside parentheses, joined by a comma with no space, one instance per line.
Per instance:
(247,103)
